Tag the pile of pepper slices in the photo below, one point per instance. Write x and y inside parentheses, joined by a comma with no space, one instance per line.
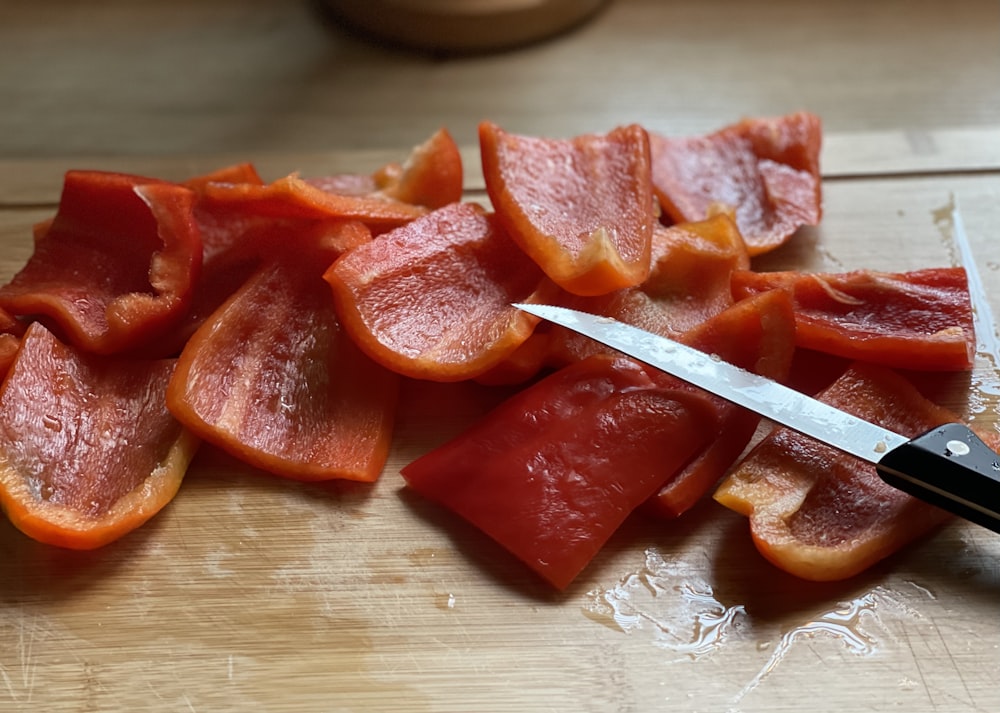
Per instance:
(275,321)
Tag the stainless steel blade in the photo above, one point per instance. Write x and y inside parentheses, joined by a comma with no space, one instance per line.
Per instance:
(764,396)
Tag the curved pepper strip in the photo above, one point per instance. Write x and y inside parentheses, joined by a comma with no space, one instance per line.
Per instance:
(11,331)
(689,282)
(432,300)
(820,514)
(909,320)
(237,241)
(117,265)
(431,176)
(272,379)
(9,346)
(553,471)
(582,208)
(756,334)
(524,363)
(236,173)
(293,197)
(88,450)
(765,172)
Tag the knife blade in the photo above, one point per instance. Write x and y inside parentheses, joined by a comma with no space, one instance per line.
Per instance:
(948,466)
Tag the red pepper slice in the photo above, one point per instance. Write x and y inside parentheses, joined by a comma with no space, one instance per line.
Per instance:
(88,450)
(430,177)
(292,197)
(764,172)
(117,265)
(525,362)
(822,515)
(910,320)
(757,334)
(689,283)
(236,173)
(552,472)
(272,379)
(432,300)
(9,346)
(582,208)
(237,240)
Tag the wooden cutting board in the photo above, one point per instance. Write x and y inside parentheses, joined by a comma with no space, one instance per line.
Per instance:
(253,593)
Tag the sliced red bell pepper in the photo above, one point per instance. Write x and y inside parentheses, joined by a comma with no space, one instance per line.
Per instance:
(9,346)
(292,197)
(431,176)
(432,300)
(9,324)
(346,184)
(820,514)
(237,240)
(236,173)
(524,363)
(271,378)
(689,282)
(88,450)
(117,265)
(909,320)
(764,172)
(552,472)
(582,208)
(756,334)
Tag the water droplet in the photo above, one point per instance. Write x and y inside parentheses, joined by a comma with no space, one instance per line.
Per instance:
(445,602)
(423,556)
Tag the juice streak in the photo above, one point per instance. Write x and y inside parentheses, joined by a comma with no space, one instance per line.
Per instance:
(674,605)
(986,377)
(851,623)
(672,601)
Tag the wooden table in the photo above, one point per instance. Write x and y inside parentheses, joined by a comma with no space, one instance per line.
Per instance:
(251,593)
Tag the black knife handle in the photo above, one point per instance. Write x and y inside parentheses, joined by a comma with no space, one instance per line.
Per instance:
(949,466)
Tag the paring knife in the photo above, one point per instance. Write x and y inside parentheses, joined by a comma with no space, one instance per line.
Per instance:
(949,466)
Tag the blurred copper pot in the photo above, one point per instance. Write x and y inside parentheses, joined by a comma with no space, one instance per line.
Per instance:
(462,25)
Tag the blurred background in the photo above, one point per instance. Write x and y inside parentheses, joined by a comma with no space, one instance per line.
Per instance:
(117,77)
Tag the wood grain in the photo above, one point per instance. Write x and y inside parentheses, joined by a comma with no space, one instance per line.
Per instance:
(253,593)
(37,181)
(245,76)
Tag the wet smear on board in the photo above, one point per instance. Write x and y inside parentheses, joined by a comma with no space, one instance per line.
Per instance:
(986,375)
(859,625)
(671,601)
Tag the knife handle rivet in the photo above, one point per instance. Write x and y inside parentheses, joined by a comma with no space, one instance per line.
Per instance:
(957,448)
